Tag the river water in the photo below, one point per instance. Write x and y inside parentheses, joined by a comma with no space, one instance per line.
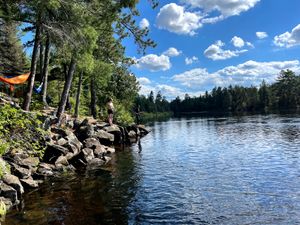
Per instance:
(232,170)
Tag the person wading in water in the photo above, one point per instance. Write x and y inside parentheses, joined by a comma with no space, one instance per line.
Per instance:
(110,111)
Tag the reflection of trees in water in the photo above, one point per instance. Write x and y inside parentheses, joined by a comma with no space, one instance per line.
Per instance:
(96,197)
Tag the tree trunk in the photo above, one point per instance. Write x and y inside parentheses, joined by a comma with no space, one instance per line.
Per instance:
(27,100)
(45,71)
(93,98)
(68,106)
(42,52)
(65,93)
(78,95)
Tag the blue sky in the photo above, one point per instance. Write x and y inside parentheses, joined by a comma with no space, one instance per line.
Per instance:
(207,43)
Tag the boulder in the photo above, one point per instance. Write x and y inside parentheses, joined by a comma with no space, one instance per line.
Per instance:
(62,160)
(30,162)
(8,192)
(84,132)
(96,162)
(62,142)
(109,150)
(19,171)
(91,143)
(99,151)
(88,154)
(132,134)
(14,182)
(53,151)
(115,130)
(29,183)
(104,136)
(8,203)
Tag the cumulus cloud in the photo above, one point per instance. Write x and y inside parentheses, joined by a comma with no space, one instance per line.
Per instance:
(144,23)
(153,62)
(171,52)
(174,18)
(246,74)
(288,39)
(237,42)
(191,60)
(261,34)
(215,52)
(143,80)
(226,8)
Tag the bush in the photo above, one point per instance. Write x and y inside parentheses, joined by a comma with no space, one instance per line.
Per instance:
(21,131)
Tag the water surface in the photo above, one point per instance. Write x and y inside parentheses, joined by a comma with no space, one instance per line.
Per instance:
(232,170)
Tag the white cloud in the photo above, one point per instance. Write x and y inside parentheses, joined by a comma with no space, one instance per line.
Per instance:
(288,39)
(144,23)
(215,52)
(237,42)
(171,52)
(261,34)
(143,80)
(153,62)
(174,18)
(191,60)
(226,8)
(246,74)
(249,44)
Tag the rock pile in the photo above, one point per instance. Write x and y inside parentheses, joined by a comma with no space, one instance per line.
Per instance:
(80,144)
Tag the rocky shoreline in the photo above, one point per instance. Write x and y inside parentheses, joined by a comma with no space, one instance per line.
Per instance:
(78,144)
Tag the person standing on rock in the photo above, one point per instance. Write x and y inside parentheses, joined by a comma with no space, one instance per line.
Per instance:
(110,111)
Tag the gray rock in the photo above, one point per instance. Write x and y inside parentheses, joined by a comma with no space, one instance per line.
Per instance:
(88,154)
(30,162)
(8,192)
(20,172)
(53,152)
(104,136)
(62,141)
(96,162)
(14,182)
(62,160)
(112,129)
(29,183)
(70,155)
(84,132)
(91,143)
(132,134)
(46,166)
(99,151)
(109,150)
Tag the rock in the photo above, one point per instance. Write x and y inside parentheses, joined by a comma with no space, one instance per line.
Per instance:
(96,162)
(88,154)
(144,131)
(62,160)
(110,150)
(132,134)
(104,137)
(29,183)
(88,121)
(62,141)
(100,126)
(30,162)
(70,124)
(73,140)
(106,159)
(59,131)
(70,155)
(84,132)
(53,151)
(115,130)
(8,192)
(20,172)
(91,143)
(8,203)
(44,172)
(72,148)
(99,151)
(46,166)
(14,182)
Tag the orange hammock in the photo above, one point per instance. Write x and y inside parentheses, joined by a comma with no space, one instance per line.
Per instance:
(15,80)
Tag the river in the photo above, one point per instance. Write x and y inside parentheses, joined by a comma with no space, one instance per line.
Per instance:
(231,170)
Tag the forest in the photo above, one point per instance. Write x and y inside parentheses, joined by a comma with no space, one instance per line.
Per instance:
(78,59)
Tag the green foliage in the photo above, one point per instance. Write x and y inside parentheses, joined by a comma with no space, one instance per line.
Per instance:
(122,116)
(21,131)
(284,94)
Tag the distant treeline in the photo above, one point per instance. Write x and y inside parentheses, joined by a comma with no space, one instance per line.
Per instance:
(284,94)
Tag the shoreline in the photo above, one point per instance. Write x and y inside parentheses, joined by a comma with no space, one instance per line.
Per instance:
(77,144)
